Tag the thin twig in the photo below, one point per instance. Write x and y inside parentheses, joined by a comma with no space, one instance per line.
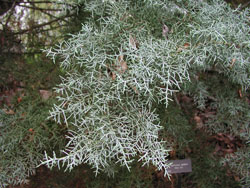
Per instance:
(11,11)
(37,2)
(41,25)
(37,8)
(52,15)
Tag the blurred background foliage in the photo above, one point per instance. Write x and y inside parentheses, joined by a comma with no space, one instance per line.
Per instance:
(200,128)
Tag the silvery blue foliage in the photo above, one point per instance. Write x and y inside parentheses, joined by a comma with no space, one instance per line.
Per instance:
(129,56)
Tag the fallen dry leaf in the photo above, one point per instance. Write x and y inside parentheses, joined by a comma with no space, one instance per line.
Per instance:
(122,67)
(132,42)
(226,151)
(186,45)
(179,50)
(45,94)
(226,144)
(19,99)
(240,93)
(188,150)
(113,75)
(165,31)
(232,63)
(198,121)
(237,178)
(172,153)
(9,112)
(134,88)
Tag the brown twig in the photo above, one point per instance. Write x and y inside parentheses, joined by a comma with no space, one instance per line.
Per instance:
(41,25)
(44,12)
(37,2)
(37,8)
